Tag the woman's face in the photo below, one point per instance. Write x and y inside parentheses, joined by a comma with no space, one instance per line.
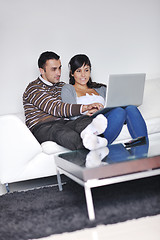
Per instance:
(82,75)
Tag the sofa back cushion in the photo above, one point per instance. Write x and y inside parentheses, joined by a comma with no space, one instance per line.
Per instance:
(151,107)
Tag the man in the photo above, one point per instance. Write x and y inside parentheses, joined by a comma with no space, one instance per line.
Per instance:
(47,116)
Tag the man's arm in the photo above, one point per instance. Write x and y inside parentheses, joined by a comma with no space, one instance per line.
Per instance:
(48,101)
(41,101)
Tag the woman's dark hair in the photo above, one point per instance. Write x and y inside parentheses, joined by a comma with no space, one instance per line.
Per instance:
(46,56)
(78,61)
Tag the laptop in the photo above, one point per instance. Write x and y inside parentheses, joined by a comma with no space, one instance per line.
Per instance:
(123,90)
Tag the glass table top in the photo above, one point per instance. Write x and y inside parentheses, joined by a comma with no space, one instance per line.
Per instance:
(113,160)
(112,154)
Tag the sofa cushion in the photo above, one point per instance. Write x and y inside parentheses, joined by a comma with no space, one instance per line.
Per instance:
(151,107)
(153,126)
(50,147)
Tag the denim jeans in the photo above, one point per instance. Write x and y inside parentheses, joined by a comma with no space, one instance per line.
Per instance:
(118,153)
(129,115)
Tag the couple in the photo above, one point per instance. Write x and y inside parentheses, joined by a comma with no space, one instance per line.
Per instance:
(62,113)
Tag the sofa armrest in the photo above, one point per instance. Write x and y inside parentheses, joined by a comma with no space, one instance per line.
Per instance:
(17,145)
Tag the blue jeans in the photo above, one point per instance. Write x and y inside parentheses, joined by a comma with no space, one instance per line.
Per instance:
(118,153)
(129,115)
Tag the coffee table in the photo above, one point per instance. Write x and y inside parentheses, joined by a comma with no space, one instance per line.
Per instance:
(121,164)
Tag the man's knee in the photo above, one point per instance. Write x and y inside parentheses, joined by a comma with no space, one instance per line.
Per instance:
(69,139)
(82,123)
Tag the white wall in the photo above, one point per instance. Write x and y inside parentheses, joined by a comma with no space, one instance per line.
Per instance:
(119,36)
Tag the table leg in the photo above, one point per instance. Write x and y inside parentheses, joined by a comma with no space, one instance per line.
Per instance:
(89,202)
(59,181)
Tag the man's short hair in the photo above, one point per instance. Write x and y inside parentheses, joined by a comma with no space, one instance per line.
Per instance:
(46,56)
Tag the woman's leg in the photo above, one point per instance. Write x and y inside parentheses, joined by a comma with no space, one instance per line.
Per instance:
(137,128)
(135,122)
(117,153)
(116,118)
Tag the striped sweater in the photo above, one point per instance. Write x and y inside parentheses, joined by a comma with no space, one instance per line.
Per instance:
(42,103)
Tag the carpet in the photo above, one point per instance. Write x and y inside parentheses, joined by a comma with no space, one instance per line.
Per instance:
(46,211)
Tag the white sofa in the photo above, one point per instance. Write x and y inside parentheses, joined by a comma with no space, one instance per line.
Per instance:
(150,110)
(23,158)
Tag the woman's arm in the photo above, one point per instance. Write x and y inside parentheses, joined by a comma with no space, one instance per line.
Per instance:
(102,91)
(68,94)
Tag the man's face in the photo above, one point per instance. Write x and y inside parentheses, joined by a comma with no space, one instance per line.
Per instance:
(52,70)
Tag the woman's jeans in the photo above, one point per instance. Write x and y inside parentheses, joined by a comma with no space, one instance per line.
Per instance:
(130,115)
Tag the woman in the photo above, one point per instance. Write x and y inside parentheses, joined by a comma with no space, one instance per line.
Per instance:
(82,90)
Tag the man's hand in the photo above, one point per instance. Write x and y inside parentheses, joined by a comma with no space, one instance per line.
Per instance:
(91,112)
(91,108)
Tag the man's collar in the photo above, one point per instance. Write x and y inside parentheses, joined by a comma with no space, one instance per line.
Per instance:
(45,81)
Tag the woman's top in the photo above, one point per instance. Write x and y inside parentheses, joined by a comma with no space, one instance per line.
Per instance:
(68,95)
(88,99)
